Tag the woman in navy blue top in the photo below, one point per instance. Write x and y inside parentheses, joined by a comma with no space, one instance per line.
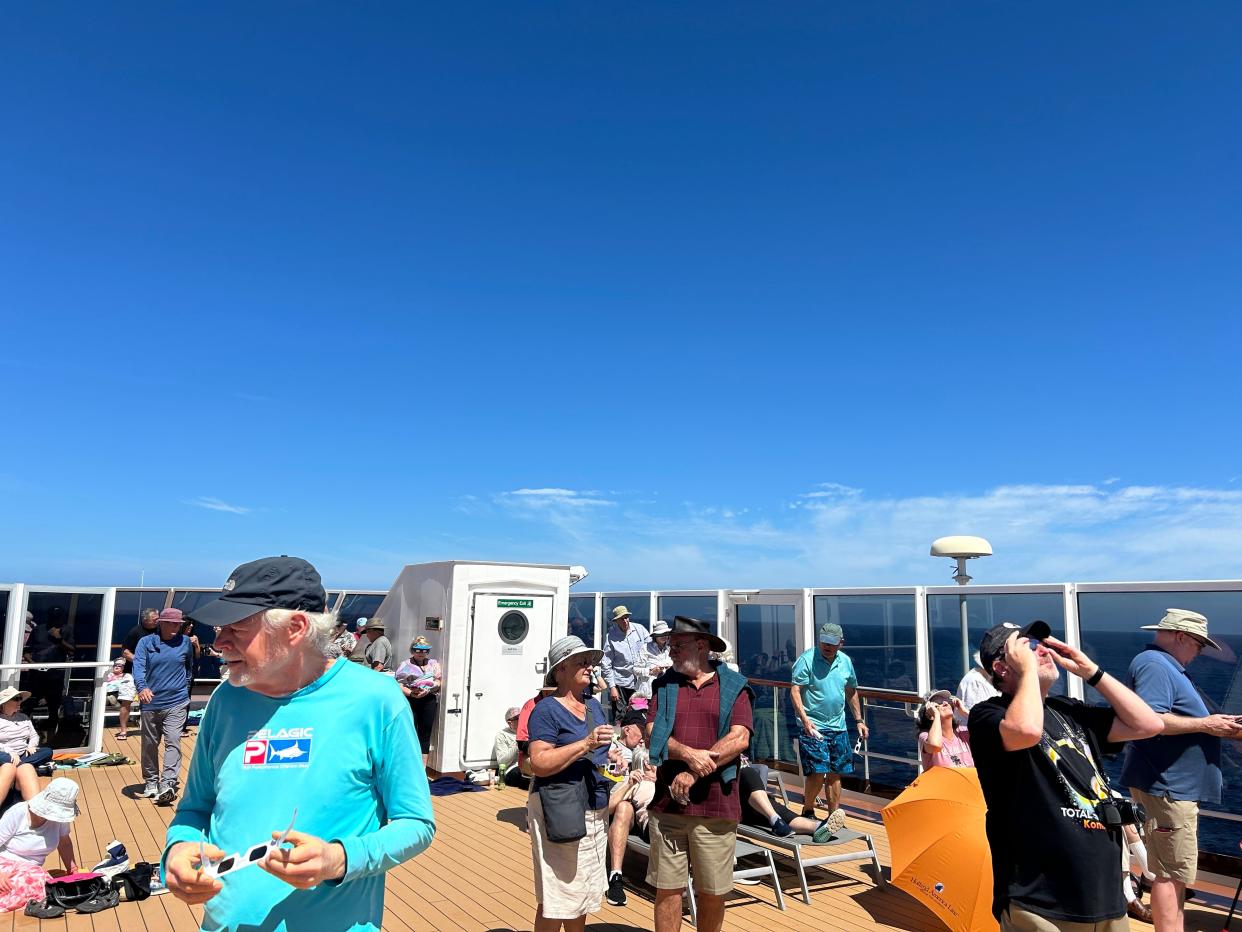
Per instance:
(569,740)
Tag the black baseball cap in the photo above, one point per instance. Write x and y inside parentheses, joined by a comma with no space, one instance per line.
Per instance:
(993,644)
(634,717)
(272,582)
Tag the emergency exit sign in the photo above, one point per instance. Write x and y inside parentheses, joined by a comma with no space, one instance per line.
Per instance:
(515,603)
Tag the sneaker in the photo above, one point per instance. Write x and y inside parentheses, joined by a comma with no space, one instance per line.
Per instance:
(616,890)
(116,861)
(780,828)
(166,796)
(150,792)
(829,827)
(42,909)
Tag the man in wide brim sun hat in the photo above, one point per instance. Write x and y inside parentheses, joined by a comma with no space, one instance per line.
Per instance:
(1172,774)
(562,650)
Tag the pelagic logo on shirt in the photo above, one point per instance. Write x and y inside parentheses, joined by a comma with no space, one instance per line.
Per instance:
(285,747)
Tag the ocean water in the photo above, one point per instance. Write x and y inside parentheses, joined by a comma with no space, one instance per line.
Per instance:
(883,661)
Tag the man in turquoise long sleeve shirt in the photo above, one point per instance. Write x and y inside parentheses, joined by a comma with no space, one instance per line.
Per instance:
(274,740)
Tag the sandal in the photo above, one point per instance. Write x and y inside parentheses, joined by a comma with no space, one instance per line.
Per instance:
(122,736)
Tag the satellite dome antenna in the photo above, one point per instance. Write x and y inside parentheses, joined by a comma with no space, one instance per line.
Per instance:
(961,548)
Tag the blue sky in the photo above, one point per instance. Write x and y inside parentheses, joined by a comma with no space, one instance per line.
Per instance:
(694,295)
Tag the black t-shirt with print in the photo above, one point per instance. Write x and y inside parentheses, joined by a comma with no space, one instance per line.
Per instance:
(1050,853)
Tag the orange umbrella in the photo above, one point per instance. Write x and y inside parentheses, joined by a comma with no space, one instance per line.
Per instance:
(940,850)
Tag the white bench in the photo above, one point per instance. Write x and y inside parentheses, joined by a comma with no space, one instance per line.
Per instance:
(743,849)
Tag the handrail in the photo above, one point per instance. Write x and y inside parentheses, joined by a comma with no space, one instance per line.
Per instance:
(868,692)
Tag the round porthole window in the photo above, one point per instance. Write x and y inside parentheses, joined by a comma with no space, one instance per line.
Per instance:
(514,627)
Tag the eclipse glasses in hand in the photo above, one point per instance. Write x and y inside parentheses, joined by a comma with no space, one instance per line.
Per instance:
(218,867)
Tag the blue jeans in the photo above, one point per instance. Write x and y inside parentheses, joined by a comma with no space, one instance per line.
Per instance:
(34,759)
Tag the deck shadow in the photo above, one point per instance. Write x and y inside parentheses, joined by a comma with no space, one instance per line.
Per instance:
(889,905)
(515,816)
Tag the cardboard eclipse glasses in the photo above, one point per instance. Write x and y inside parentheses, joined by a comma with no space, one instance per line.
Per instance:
(218,867)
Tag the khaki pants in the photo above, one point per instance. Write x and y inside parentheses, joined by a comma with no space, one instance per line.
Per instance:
(1017,919)
(1172,830)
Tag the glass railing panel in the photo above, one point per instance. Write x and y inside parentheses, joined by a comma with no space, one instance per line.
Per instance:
(702,607)
(357,605)
(638,604)
(128,608)
(775,723)
(879,636)
(187,600)
(66,630)
(582,618)
(984,610)
(766,635)
(1111,631)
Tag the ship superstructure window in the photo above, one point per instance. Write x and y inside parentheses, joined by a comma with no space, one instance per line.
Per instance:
(984,610)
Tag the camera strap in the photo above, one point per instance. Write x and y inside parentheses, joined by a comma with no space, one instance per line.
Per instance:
(1075,764)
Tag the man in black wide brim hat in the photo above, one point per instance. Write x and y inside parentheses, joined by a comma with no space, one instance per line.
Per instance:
(699,721)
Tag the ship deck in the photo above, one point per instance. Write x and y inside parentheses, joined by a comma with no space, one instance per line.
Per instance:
(477,873)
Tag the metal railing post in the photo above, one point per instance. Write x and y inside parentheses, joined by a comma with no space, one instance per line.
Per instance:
(866,746)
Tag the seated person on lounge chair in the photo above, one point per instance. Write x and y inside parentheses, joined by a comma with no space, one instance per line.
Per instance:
(20,752)
(762,811)
(628,801)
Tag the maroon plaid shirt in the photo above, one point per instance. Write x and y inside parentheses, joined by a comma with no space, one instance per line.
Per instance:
(696,725)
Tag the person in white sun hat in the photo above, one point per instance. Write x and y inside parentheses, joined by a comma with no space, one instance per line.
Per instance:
(29,832)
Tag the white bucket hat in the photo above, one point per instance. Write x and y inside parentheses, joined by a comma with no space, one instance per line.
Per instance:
(660,627)
(58,802)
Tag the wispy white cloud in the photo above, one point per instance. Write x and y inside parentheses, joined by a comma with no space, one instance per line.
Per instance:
(215,504)
(544,498)
(836,535)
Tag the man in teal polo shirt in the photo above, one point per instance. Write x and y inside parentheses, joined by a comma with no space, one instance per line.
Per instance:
(824,683)
(277,748)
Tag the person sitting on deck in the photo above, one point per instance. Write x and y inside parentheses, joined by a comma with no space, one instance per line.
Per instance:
(20,752)
(505,751)
(29,832)
(628,801)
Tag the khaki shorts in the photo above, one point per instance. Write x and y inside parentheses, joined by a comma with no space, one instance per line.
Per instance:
(1017,919)
(1172,833)
(681,844)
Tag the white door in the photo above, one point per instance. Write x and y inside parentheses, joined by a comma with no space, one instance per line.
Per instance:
(510,635)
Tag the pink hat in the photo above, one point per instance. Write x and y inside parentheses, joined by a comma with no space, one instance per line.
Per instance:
(171,614)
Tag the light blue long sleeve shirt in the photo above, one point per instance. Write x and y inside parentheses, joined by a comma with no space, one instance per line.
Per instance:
(343,752)
(622,652)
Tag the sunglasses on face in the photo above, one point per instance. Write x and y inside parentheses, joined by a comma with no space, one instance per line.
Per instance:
(235,862)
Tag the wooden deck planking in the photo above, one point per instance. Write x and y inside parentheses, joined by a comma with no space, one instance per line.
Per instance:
(477,875)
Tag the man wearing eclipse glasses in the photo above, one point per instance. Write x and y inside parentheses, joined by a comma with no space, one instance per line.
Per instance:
(273,743)
(1053,822)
